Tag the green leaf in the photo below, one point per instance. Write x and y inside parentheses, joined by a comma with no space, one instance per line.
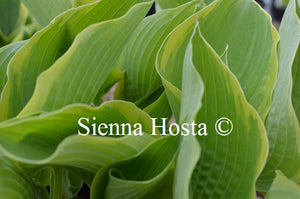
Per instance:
(113,77)
(160,108)
(141,79)
(52,138)
(38,175)
(174,56)
(192,93)
(282,124)
(216,174)
(192,86)
(14,185)
(27,31)
(37,56)
(12,17)
(6,54)
(144,176)
(43,11)
(189,152)
(56,183)
(69,80)
(296,83)
(282,187)
(71,184)
(252,43)
(207,2)
(247,125)
(77,3)
(163,4)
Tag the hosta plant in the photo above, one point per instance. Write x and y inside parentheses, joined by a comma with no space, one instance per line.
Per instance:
(206,100)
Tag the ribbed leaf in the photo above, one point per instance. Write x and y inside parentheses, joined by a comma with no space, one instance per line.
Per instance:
(216,174)
(141,79)
(52,138)
(246,125)
(39,54)
(282,124)
(187,159)
(252,42)
(142,177)
(12,17)
(192,86)
(191,102)
(13,185)
(69,80)
(6,54)
(282,187)
(44,11)
(173,57)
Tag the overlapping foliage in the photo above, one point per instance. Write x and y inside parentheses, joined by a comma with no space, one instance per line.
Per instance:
(194,60)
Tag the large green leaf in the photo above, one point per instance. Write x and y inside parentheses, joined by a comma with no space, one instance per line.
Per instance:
(255,67)
(14,185)
(44,11)
(216,174)
(12,17)
(246,126)
(282,124)
(142,177)
(252,42)
(282,187)
(69,80)
(39,54)
(52,138)
(192,93)
(6,54)
(141,79)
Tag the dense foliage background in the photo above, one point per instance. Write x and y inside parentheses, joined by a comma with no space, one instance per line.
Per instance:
(191,61)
